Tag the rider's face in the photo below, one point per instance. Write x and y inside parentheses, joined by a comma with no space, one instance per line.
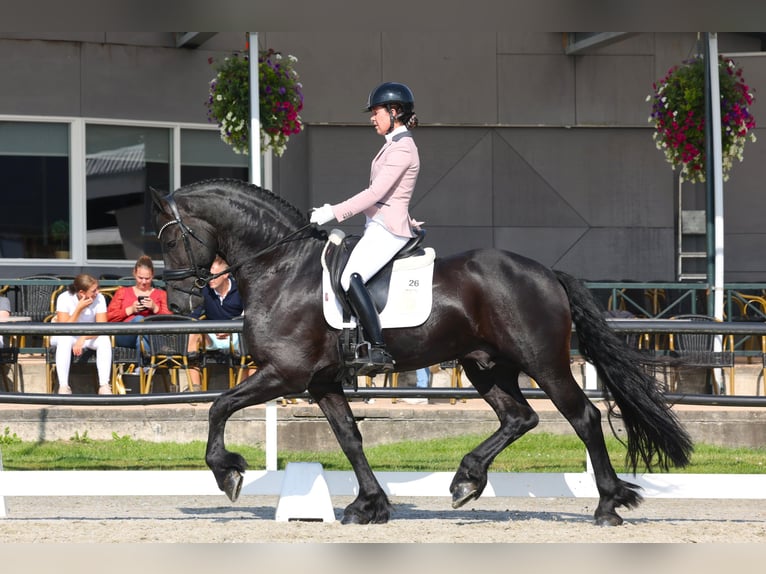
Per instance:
(381,120)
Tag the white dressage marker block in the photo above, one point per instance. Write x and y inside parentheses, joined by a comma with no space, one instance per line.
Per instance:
(305,495)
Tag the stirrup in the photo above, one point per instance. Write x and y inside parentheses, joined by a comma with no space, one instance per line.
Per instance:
(374,360)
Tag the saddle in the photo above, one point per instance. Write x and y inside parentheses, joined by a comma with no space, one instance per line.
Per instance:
(336,256)
(401,291)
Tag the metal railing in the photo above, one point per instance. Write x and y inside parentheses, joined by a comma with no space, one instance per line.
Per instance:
(656,326)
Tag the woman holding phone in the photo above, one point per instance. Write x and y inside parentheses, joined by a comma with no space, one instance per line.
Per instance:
(137,301)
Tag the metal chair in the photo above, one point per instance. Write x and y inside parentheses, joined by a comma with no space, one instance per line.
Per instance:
(210,357)
(167,352)
(456,376)
(242,359)
(125,361)
(762,380)
(698,350)
(9,361)
(36,300)
(389,380)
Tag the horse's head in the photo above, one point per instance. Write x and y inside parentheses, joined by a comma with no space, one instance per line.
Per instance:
(188,249)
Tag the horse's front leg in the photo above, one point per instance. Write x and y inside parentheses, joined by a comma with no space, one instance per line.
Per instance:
(371,504)
(229,467)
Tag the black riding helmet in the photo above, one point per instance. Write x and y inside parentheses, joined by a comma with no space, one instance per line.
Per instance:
(390,93)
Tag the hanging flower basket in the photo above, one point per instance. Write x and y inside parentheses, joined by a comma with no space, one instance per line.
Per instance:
(678,115)
(281,100)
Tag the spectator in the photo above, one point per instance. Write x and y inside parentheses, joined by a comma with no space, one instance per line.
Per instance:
(221,302)
(138,301)
(5,313)
(422,380)
(82,303)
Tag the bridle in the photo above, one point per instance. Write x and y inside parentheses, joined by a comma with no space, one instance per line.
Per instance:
(202,275)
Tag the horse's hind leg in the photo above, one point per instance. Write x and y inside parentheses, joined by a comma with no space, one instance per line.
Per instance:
(585,418)
(371,504)
(499,387)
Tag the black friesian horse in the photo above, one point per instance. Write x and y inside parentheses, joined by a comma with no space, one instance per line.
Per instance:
(496,312)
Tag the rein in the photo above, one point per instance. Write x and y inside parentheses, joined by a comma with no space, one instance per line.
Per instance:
(201,274)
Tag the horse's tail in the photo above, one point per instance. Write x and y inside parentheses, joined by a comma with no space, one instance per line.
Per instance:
(654,433)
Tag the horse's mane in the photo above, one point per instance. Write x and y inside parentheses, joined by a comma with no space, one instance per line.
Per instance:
(248,191)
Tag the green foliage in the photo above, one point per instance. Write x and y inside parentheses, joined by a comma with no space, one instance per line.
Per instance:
(82,439)
(122,439)
(678,115)
(9,438)
(280,95)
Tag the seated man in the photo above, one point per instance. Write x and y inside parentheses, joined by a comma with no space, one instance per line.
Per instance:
(221,302)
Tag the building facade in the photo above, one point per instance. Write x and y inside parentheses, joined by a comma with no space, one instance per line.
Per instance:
(523,146)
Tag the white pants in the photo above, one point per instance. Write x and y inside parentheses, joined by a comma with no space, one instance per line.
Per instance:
(376,248)
(101,344)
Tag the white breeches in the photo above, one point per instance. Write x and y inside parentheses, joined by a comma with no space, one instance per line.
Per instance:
(101,344)
(376,248)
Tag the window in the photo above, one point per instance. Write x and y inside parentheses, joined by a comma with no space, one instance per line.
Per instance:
(121,164)
(47,185)
(204,155)
(34,161)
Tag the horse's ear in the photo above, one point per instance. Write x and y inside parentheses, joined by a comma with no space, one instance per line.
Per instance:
(158,198)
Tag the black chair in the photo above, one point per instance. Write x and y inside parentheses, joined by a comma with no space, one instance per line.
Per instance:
(35,299)
(9,361)
(125,361)
(455,376)
(698,350)
(761,381)
(242,360)
(167,352)
(88,357)
(227,358)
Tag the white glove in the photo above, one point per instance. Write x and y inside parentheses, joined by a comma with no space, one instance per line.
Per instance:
(322,215)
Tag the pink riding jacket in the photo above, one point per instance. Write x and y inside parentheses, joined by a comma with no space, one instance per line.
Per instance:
(393,175)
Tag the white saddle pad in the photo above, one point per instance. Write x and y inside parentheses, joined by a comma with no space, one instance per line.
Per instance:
(409,294)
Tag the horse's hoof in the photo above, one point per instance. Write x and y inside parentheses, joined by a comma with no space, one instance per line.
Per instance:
(232,484)
(611,519)
(463,493)
(353,518)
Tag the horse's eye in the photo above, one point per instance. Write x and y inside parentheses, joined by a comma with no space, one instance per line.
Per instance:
(171,244)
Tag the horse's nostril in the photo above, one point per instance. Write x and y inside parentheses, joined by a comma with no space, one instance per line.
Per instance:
(174,308)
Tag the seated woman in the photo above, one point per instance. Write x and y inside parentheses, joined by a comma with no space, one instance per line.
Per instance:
(5,312)
(138,301)
(82,303)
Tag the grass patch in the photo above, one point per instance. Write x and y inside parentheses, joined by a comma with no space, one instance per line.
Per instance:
(536,452)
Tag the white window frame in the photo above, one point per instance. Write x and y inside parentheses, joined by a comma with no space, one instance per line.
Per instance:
(77,183)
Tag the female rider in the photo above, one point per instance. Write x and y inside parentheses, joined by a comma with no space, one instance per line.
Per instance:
(385,203)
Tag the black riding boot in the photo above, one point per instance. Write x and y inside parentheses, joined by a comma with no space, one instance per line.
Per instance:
(375,359)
